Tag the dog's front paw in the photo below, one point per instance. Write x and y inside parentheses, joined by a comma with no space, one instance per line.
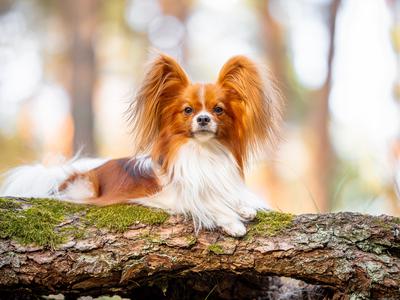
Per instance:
(236,229)
(247,213)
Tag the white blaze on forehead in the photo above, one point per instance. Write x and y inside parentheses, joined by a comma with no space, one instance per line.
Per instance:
(212,125)
(202,96)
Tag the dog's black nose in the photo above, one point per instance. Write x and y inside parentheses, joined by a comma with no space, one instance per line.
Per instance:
(203,120)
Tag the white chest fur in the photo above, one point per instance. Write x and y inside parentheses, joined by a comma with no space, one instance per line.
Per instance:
(204,183)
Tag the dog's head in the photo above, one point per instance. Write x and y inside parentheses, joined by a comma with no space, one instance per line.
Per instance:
(240,111)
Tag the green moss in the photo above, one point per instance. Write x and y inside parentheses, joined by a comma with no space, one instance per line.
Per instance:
(216,249)
(37,223)
(270,223)
(9,203)
(59,208)
(120,217)
(32,225)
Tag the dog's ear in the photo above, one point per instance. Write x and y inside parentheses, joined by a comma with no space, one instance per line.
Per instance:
(243,81)
(163,82)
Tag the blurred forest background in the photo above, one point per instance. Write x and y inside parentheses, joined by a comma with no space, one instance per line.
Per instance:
(69,68)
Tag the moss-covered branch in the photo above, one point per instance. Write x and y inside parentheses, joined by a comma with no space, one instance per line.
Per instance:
(53,247)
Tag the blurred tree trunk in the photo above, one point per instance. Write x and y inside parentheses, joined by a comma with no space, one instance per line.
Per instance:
(81,19)
(322,154)
(275,47)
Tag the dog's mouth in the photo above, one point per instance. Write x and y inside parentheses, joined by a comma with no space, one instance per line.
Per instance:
(203,131)
(203,134)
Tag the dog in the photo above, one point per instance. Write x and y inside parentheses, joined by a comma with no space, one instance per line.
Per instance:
(193,143)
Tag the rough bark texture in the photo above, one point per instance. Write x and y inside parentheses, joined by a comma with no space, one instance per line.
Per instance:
(339,256)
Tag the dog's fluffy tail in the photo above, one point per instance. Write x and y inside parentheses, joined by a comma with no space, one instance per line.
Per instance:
(43,180)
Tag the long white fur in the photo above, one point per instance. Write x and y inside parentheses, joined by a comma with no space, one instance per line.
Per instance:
(38,180)
(204,183)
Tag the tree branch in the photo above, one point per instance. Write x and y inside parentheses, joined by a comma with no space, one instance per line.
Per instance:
(133,251)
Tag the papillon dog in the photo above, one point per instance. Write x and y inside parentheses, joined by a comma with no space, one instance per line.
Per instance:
(193,142)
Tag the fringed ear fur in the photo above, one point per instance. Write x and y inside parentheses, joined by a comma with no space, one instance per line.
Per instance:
(164,80)
(242,80)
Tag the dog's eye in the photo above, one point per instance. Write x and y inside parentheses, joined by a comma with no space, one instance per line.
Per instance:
(188,110)
(218,110)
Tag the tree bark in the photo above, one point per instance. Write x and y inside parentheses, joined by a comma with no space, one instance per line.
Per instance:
(339,256)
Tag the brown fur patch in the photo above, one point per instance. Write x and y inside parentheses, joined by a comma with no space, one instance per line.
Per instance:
(117,181)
